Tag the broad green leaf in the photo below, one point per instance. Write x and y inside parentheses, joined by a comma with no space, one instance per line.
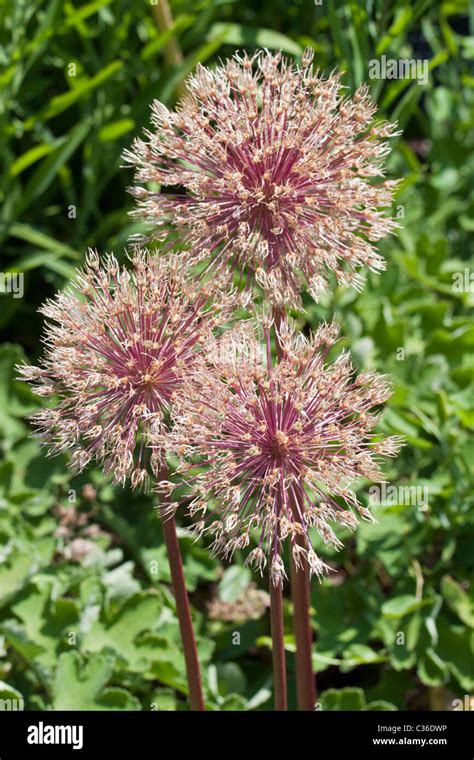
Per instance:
(431,669)
(78,684)
(234,582)
(164,701)
(10,698)
(120,582)
(343,699)
(45,625)
(403,605)
(381,704)
(458,600)
(456,649)
(21,563)
(119,634)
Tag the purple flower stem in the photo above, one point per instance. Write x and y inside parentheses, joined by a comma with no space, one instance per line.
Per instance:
(183,610)
(278,646)
(276,619)
(301,596)
(305,678)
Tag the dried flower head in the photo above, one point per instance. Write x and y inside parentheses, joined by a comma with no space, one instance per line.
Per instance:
(275,450)
(278,172)
(251,604)
(118,345)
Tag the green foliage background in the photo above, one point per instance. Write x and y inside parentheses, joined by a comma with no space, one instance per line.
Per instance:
(101,632)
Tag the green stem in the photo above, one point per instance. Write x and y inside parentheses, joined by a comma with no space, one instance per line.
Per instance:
(173,54)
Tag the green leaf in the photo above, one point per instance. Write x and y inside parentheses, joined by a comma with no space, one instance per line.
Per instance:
(49,168)
(60,103)
(230,679)
(42,240)
(10,698)
(78,684)
(239,35)
(198,564)
(120,582)
(119,634)
(33,155)
(402,657)
(402,19)
(21,563)
(49,260)
(180,24)
(115,129)
(44,625)
(456,649)
(402,605)
(343,699)
(234,582)
(82,13)
(17,637)
(233,702)
(381,704)
(360,654)
(431,669)
(458,600)
(15,396)
(164,701)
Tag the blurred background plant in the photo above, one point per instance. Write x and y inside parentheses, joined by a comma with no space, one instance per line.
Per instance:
(87,620)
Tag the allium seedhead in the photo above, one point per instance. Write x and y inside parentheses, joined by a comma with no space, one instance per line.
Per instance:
(118,346)
(272,451)
(281,175)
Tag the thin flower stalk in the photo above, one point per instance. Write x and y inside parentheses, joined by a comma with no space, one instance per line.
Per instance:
(306,693)
(278,647)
